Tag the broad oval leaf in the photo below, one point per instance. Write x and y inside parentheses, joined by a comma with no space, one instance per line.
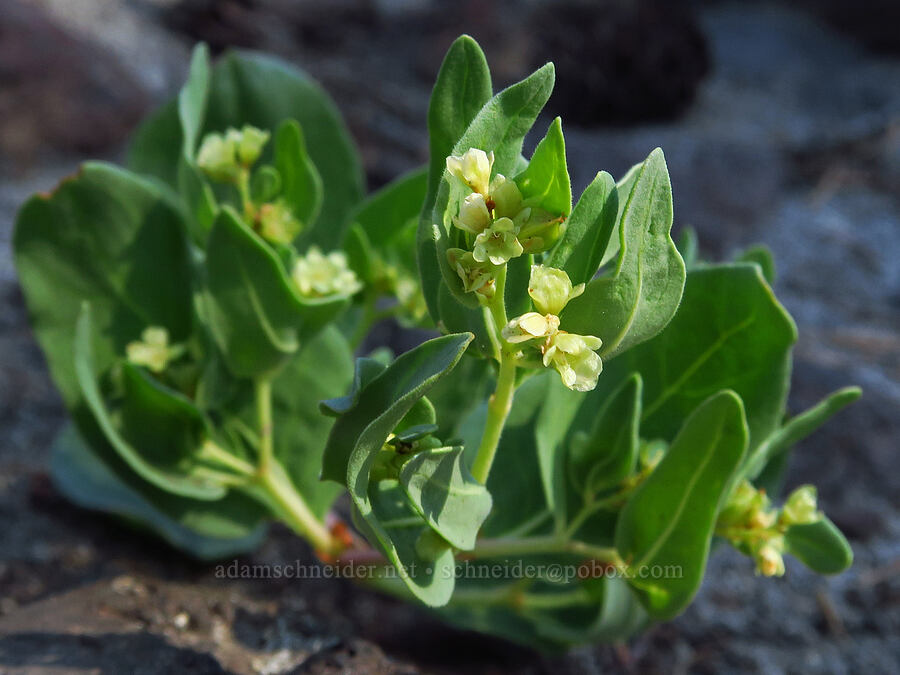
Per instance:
(249,88)
(169,468)
(667,524)
(94,477)
(641,295)
(820,546)
(442,490)
(729,333)
(462,88)
(580,249)
(422,559)
(100,237)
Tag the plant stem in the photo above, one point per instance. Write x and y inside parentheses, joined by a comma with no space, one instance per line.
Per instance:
(272,477)
(263,393)
(494,548)
(500,402)
(243,186)
(295,510)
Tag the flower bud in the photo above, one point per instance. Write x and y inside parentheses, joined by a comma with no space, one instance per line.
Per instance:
(801,507)
(277,223)
(473,216)
(540,231)
(498,243)
(477,277)
(551,289)
(217,158)
(575,360)
(318,275)
(530,326)
(473,168)
(249,143)
(769,561)
(506,197)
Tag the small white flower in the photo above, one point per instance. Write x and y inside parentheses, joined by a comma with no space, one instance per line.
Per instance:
(473,168)
(318,275)
(530,326)
(498,243)
(575,360)
(473,216)
(152,351)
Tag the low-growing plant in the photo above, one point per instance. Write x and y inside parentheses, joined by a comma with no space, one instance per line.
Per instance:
(600,409)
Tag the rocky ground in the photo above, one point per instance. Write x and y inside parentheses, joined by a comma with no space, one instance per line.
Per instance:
(791,138)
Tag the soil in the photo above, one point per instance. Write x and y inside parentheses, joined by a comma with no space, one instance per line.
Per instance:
(792,139)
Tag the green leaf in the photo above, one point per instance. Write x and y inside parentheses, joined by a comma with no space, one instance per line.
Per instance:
(797,428)
(387,213)
(249,88)
(101,237)
(442,490)
(668,522)
(557,412)
(365,371)
(422,559)
(606,456)
(198,198)
(729,333)
(624,186)
(820,546)
(762,256)
(545,183)
(358,436)
(462,88)
(255,314)
(381,404)
(640,297)
(266,184)
(167,467)
(208,530)
(581,247)
(192,100)
(301,185)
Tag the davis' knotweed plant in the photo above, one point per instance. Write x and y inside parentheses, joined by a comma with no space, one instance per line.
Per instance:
(555,467)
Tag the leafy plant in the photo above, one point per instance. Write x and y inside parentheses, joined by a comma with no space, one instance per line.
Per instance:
(554,468)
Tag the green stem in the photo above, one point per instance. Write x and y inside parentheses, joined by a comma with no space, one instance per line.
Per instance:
(243,186)
(295,510)
(272,477)
(211,451)
(501,400)
(495,548)
(263,393)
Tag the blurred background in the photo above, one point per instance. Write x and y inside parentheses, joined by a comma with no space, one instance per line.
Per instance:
(781,124)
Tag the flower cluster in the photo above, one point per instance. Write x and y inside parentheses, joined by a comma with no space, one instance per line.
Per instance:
(153,350)
(319,275)
(223,156)
(573,356)
(228,158)
(500,225)
(753,526)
